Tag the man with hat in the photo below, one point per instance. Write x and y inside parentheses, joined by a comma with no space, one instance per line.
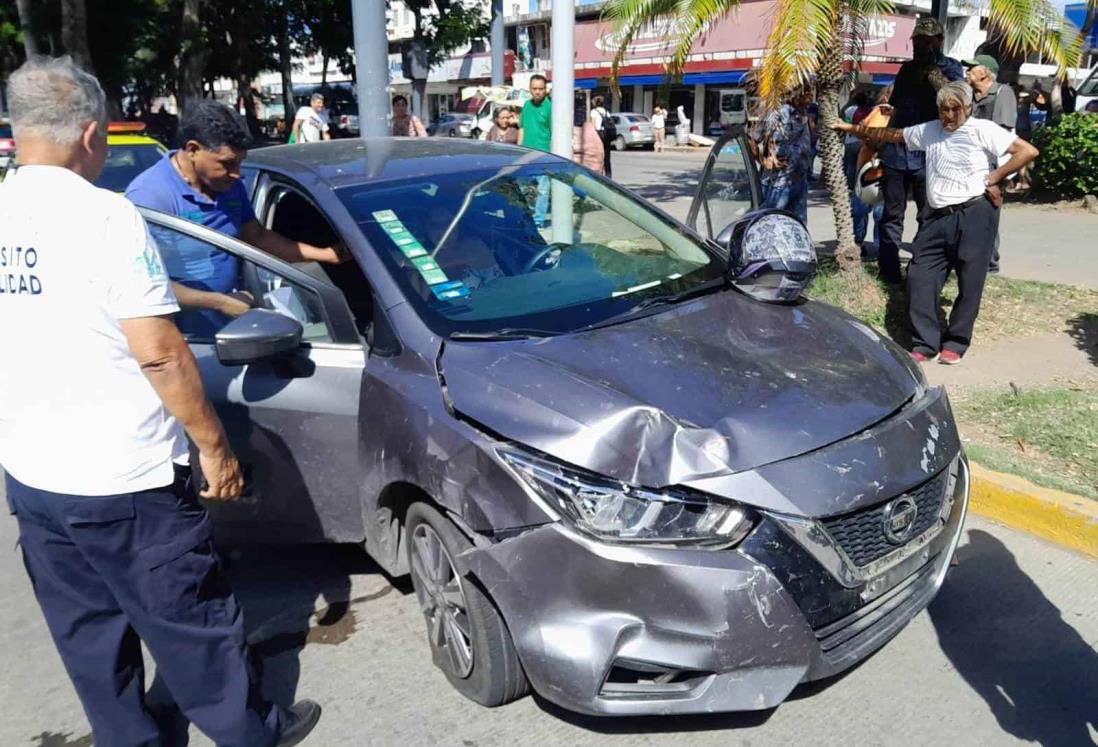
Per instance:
(991,100)
(913,102)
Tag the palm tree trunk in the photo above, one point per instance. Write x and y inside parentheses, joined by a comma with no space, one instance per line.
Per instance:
(27,26)
(285,67)
(74,32)
(829,82)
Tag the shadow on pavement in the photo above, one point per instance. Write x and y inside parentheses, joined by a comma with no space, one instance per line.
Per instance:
(1084,330)
(1013,647)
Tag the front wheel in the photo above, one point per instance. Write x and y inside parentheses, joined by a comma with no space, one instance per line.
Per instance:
(475,134)
(619,143)
(469,640)
(453,133)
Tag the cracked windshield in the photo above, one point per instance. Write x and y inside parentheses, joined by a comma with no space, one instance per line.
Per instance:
(552,250)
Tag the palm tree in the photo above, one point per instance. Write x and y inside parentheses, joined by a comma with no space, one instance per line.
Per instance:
(821,40)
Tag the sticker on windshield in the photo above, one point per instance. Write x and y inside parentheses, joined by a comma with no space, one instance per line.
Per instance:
(429,270)
(385,216)
(450,290)
(413,250)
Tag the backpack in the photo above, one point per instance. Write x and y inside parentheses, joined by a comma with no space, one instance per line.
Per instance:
(609,129)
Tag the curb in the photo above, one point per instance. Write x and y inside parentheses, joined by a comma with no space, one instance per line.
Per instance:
(1065,519)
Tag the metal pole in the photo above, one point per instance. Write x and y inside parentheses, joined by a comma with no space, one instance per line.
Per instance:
(371,66)
(564,102)
(939,9)
(497,43)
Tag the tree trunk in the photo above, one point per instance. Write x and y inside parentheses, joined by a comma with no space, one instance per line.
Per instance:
(27,26)
(324,70)
(285,66)
(192,58)
(74,32)
(829,82)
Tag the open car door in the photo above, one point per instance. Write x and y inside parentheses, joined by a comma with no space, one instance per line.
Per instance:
(729,187)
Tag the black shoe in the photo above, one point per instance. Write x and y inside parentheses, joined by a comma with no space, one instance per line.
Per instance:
(304,715)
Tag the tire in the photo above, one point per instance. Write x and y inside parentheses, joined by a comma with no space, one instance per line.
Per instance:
(453,133)
(619,143)
(493,676)
(475,134)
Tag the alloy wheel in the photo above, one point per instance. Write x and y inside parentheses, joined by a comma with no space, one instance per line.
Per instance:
(442,600)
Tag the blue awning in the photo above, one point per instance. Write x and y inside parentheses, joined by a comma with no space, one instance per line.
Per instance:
(883,79)
(586,82)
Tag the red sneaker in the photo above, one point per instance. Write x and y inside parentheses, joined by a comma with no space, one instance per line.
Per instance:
(949,358)
(920,357)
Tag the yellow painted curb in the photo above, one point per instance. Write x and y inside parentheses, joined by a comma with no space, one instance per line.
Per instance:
(1063,518)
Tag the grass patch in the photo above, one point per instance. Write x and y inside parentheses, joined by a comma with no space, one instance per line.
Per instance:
(1009,308)
(1049,435)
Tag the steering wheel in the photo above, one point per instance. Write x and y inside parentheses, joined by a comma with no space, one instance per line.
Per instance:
(532,263)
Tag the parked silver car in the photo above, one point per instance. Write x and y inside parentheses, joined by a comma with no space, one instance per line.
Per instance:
(453,124)
(634,131)
(614,476)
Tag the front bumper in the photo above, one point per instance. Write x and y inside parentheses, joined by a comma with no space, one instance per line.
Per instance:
(613,630)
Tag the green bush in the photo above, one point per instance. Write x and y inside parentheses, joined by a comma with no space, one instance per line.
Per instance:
(1068,164)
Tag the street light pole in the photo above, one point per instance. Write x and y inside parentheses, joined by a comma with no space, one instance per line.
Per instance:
(564,103)
(497,43)
(371,66)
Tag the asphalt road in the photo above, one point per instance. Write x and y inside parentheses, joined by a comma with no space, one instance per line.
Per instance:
(1005,654)
(1037,242)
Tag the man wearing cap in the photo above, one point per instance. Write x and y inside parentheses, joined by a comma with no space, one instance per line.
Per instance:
(913,102)
(991,100)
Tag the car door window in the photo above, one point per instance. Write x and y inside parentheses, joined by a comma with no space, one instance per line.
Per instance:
(727,193)
(204,266)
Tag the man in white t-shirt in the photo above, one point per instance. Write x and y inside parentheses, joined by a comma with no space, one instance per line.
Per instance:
(311,122)
(959,227)
(94,382)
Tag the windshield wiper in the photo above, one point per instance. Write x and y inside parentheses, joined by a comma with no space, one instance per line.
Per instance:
(507,333)
(671,299)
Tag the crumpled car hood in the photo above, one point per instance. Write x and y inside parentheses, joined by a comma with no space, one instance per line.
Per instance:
(711,387)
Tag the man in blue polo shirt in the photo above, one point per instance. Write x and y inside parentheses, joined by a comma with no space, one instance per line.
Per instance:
(201,183)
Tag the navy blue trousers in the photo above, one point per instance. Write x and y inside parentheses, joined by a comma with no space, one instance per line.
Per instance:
(111,572)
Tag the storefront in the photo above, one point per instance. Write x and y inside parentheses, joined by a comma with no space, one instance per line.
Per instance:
(718,64)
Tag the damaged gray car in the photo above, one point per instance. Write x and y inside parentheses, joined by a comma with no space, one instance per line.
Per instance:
(616,474)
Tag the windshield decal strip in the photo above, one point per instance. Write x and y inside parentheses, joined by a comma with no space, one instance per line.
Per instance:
(635,288)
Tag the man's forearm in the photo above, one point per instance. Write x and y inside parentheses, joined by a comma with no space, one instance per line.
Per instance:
(285,249)
(1021,154)
(170,368)
(192,298)
(872,134)
(521,136)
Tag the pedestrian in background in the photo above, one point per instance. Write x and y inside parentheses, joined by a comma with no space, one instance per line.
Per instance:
(783,147)
(958,230)
(502,130)
(993,101)
(659,128)
(536,120)
(879,116)
(600,118)
(405,124)
(94,386)
(854,113)
(913,102)
(311,122)
(536,131)
(587,143)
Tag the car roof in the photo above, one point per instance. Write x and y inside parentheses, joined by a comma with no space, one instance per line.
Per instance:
(132,140)
(346,162)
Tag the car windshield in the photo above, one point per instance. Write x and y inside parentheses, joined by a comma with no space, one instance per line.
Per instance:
(549,248)
(124,162)
(5,130)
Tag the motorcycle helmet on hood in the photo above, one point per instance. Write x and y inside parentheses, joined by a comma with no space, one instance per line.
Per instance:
(771,256)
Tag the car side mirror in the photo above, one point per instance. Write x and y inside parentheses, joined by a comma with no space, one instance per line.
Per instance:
(258,335)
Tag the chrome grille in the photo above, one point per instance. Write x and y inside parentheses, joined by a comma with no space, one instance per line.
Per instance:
(861,534)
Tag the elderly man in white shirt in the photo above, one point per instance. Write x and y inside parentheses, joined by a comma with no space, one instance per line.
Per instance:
(94,383)
(962,219)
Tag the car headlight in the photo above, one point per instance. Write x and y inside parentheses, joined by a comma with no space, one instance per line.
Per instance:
(610,510)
